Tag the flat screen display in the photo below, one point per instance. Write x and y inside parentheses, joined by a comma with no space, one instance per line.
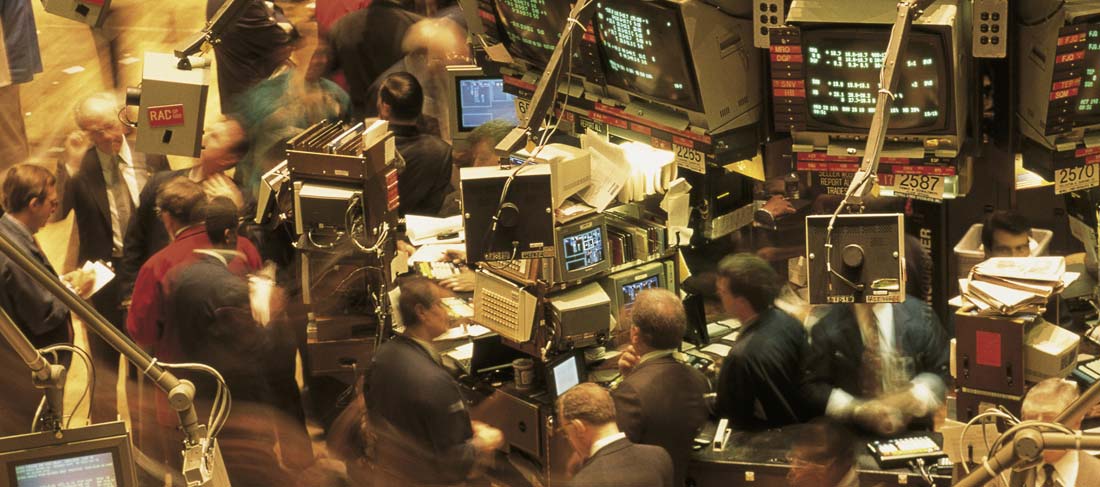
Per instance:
(1088,99)
(630,291)
(842,80)
(566,374)
(645,51)
(582,250)
(481,100)
(92,469)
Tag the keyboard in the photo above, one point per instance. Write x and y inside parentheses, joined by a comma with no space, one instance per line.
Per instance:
(898,452)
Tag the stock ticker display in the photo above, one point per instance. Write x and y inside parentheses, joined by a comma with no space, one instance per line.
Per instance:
(1088,99)
(95,469)
(643,47)
(533,26)
(482,100)
(842,80)
(583,250)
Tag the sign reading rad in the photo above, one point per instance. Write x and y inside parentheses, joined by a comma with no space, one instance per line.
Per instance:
(166,115)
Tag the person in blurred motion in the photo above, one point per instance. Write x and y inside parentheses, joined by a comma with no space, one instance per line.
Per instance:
(223,144)
(20,60)
(210,311)
(660,400)
(366,42)
(326,14)
(430,46)
(101,184)
(881,366)
(1006,233)
(420,429)
(823,454)
(1045,401)
(587,414)
(29,198)
(759,382)
(426,179)
(252,49)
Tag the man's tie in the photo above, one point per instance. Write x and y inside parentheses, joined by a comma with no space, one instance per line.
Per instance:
(870,374)
(120,192)
(1049,481)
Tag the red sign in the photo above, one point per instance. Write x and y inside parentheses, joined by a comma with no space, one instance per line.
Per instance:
(786,58)
(1069,57)
(781,49)
(166,116)
(1067,84)
(1058,95)
(1072,39)
(988,346)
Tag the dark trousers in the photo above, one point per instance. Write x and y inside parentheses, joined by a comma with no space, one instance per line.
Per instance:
(108,302)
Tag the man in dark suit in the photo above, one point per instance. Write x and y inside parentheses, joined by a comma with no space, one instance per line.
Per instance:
(587,414)
(759,383)
(29,198)
(660,401)
(421,428)
(426,179)
(879,366)
(1061,468)
(223,144)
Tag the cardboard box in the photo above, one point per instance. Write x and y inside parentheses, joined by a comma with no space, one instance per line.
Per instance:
(1051,351)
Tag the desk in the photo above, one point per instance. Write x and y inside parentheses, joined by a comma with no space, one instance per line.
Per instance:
(758,459)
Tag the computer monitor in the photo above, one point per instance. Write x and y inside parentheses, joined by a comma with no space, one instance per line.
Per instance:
(843,65)
(623,287)
(681,62)
(530,30)
(645,51)
(94,455)
(582,249)
(564,372)
(477,98)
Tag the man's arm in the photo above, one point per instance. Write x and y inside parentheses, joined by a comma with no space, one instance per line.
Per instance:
(141,321)
(628,411)
(451,432)
(736,391)
(817,371)
(135,245)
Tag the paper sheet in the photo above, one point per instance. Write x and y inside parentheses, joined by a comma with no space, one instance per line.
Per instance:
(423,230)
(461,352)
(458,332)
(103,274)
(677,203)
(609,172)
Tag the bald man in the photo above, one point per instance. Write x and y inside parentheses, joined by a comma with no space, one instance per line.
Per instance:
(101,178)
(1061,468)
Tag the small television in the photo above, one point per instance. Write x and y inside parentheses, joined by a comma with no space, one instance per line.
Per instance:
(530,30)
(476,98)
(623,287)
(826,68)
(564,372)
(93,455)
(582,249)
(579,316)
(680,62)
(1059,70)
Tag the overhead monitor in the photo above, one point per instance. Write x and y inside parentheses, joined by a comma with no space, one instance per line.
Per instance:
(623,287)
(97,455)
(477,98)
(564,372)
(645,51)
(842,69)
(582,249)
(680,62)
(531,29)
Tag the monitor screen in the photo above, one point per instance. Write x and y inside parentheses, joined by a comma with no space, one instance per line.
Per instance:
(95,468)
(583,249)
(630,291)
(566,374)
(645,51)
(481,100)
(532,27)
(842,74)
(1088,98)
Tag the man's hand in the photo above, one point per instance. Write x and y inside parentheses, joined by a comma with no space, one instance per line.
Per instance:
(879,417)
(454,256)
(76,145)
(628,360)
(220,185)
(778,206)
(904,402)
(80,281)
(486,438)
(463,282)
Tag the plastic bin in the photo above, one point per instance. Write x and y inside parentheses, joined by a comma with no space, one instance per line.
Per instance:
(969,251)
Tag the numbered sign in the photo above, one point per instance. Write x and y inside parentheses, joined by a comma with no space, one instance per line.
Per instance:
(690,159)
(920,186)
(1076,178)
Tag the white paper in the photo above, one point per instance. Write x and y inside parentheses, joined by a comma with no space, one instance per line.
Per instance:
(677,203)
(425,229)
(719,349)
(609,172)
(458,332)
(461,352)
(435,252)
(103,274)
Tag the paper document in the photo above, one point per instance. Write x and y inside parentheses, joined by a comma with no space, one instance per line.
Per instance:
(423,230)
(677,203)
(609,172)
(461,352)
(463,332)
(103,274)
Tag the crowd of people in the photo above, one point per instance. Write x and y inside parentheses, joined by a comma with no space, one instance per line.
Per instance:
(188,271)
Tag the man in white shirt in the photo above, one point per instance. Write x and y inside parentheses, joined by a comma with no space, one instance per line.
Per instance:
(100,180)
(587,414)
(1060,468)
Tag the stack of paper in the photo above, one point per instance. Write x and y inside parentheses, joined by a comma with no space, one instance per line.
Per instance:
(1014,285)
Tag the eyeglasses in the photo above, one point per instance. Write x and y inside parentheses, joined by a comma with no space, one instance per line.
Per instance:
(157,211)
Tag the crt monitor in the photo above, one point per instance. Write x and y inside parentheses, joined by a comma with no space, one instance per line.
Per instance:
(645,51)
(582,249)
(623,287)
(93,455)
(531,29)
(477,98)
(842,69)
(564,372)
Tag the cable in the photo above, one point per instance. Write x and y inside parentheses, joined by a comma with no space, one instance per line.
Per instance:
(89,389)
(223,400)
